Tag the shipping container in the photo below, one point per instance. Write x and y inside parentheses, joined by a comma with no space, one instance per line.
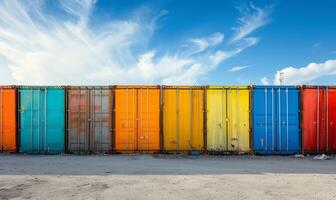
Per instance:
(318,119)
(89,119)
(137,118)
(183,118)
(8,113)
(41,115)
(228,119)
(276,120)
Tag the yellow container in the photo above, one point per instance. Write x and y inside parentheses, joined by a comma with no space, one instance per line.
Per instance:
(183,114)
(228,116)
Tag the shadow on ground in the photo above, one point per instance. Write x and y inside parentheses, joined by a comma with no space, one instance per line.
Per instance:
(105,165)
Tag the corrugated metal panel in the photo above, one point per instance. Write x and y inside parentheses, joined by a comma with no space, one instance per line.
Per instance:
(228,119)
(90,119)
(331,118)
(7,119)
(276,120)
(125,119)
(137,114)
(183,113)
(41,119)
(318,119)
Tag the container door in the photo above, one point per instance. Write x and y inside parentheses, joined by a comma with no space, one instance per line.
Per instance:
(126,119)
(190,119)
(184,109)
(331,129)
(148,119)
(216,120)
(101,108)
(54,112)
(288,121)
(170,119)
(178,119)
(78,120)
(238,119)
(314,120)
(183,119)
(196,115)
(309,119)
(2,137)
(282,118)
(322,133)
(232,107)
(259,119)
(7,120)
(42,120)
(265,121)
(30,107)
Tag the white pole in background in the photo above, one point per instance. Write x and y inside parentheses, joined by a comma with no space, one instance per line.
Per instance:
(281,78)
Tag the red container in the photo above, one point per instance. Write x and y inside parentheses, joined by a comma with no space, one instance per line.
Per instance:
(318,119)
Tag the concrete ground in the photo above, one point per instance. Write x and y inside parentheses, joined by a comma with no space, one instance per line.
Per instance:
(166,177)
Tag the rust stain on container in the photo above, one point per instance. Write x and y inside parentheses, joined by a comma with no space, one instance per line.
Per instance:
(89,119)
(183,118)
(8,119)
(137,118)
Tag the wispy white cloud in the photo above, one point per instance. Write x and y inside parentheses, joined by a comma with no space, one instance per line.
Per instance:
(264,81)
(201,44)
(37,47)
(237,68)
(252,18)
(303,75)
(78,8)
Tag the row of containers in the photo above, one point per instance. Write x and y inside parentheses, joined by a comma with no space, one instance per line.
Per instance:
(256,119)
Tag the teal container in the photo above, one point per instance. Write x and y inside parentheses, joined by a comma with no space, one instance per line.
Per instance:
(41,119)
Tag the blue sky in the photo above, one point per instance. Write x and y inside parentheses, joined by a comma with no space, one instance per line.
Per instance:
(167,42)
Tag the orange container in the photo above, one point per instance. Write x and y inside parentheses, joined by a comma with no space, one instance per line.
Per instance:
(7,119)
(137,118)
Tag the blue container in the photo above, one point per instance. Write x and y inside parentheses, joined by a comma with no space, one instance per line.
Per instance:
(276,127)
(41,115)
